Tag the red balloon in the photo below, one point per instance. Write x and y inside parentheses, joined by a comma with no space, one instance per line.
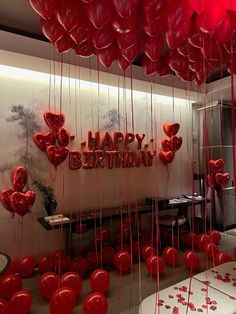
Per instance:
(163,68)
(122,62)
(191,260)
(234,251)
(94,259)
(5,199)
(154,28)
(95,302)
(57,154)
(125,8)
(222,258)
(44,8)
(148,251)
(64,44)
(155,265)
(190,239)
(150,66)
(19,177)
(177,62)
(48,284)
(85,49)
(100,281)
(166,157)
(176,38)
(54,120)
(225,30)
(195,36)
(11,270)
(4,307)
(72,280)
(103,37)
(122,261)
(152,46)
(211,250)
(62,264)
(216,165)
(44,139)
(100,12)
(170,255)
(52,29)
(70,14)
(79,265)
(23,202)
(81,31)
(126,40)
(152,10)
(122,25)
(215,236)
(63,137)
(211,50)
(208,21)
(45,264)
(9,285)
(222,179)
(211,181)
(20,302)
(108,254)
(131,53)
(171,129)
(26,266)
(62,301)
(202,240)
(108,55)
(178,14)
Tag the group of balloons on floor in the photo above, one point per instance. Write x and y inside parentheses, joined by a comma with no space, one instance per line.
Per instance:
(61,277)
(189,37)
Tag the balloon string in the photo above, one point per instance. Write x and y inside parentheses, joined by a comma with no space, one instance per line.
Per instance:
(233,133)
(61,82)
(132,100)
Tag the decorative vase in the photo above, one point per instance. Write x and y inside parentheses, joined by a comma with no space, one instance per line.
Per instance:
(50,206)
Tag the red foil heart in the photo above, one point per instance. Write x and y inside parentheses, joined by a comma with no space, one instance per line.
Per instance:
(54,120)
(57,154)
(63,137)
(216,165)
(23,202)
(211,181)
(171,129)
(176,143)
(44,139)
(166,145)
(166,157)
(19,177)
(222,179)
(5,199)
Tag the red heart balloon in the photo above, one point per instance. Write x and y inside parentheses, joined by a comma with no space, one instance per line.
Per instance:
(100,12)
(152,10)
(19,177)
(216,165)
(166,145)
(166,157)
(70,14)
(103,37)
(131,53)
(63,137)
(65,43)
(177,62)
(152,46)
(44,8)
(222,179)
(175,143)
(126,40)
(85,49)
(171,129)
(122,62)
(52,29)
(108,55)
(81,31)
(150,66)
(54,120)
(122,25)
(23,202)
(163,68)
(211,181)
(5,199)
(57,154)
(125,8)
(44,139)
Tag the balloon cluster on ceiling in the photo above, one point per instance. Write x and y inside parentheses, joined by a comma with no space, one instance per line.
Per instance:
(189,37)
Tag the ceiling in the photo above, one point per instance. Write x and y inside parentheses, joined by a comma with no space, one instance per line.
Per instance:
(17,16)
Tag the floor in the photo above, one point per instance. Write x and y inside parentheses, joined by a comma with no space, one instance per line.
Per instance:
(126,291)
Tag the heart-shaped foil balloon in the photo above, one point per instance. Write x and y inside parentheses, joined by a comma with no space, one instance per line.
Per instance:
(166,157)
(176,143)
(5,199)
(166,145)
(63,137)
(211,181)
(171,129)
(19,177)
(217,165)
(54,120)
(44,139)
(57,154)
(222,179)
(23,202)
